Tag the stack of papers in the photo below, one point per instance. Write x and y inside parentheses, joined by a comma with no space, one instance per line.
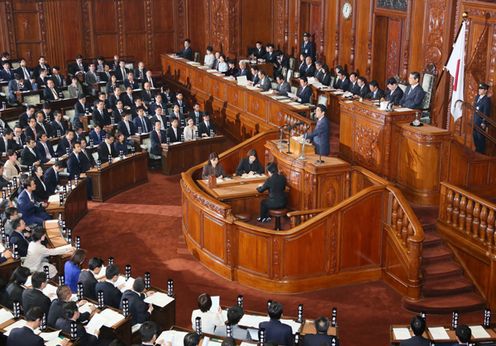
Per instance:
(478,332)
(86,308)
(5,315)
(50,336)
(401,109)
(174,337)
(438,333)
(111,317)
(159,299)
(401,333)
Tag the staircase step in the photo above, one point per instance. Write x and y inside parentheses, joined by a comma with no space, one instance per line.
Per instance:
(444,305)
(431,238)
(440,270)
(446,287)
(435,254)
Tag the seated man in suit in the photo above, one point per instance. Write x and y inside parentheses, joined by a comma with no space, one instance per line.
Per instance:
(88,277)
(417,325)
(149,333)
(186,52)
(234,315)
(100,114)
(29,157)
(206,128)
(161,118)
(24,117)
(158,103)
(72,314)
(74,162)
(275,331)
(259,50)
(51,93)
(92,79)
(354,88)
(56,311)
(118,112)
(321,338)
(309,69)
(283,87)
(158,138)
(174,132)
(320,135)
(126,126)
(97,135)
(130,82)
(139,310)
(32,212)
(414,94)
(15,85)
(31,131)
(180,102)
(147,94)
(44,149)
(264,81)
(121,71)
(51,176)
(375,93)
(304,93)
(106,149)
(276,184)
(57,78)
(141,122)
(34,297)
(58,126)
(18,236)
(243,70)
(7,141)
(26,335)
(80,109)
(196,114)
(116,97)
(322,73)
(42,126)
(363,89)
(65,143)
(111,294)
(393,92)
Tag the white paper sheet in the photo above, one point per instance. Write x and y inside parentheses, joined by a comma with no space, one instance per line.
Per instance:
(478,332)
(215,303)
(159,299)
(50,291)
(252,321)
(94,325)
(111,317)
(16,324)
(174,337)
(5,315)
(86,308)
(401,333)
(439,333)
(402,109)
(295,326)
(50,336)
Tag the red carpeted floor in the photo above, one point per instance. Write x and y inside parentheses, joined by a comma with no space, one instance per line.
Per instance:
(142,227)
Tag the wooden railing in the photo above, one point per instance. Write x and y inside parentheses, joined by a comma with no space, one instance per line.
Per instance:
(467,222)
(297,217)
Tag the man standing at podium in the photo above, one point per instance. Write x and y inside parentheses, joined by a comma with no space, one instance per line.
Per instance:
(320,135)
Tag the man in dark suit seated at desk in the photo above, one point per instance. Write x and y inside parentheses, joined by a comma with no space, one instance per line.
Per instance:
(196,114)
(51,93)
(24,117)
(363,89)
(7,141)
(276,184)
(304,93)
(186,52)
(126,126)
(141,122)
(264,81)
(206,127)
(243,70)
(34,296)
(111,294)
(283,87)
(418,328)
(100,114)
(375,92)
(51,176)
(26,335)
(32,212)
(78,163)
(29,157)
(158,138)
(56,311)
(65,143)
(393,93)
(14,86)
(276,332)
(44,149)
(174,132)
(80,109)
(106,149)
(321,338)
(414,94)
(42,125)
(18,237)
(320,135)
(463,335)
(97,135)
(149,333)
(139,310)
(342,82)
(58,126)
(72,314)
(88,277)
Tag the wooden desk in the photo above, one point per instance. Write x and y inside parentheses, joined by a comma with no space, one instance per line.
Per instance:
(8,267)
(164,317)
(179,157)
(74,207)
(55,239)
(119,176)
(233,188)
(240,112)
(312,185)
(365,135)
(451,334)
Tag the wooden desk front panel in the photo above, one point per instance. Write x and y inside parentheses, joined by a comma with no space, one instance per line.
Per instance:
(76,205)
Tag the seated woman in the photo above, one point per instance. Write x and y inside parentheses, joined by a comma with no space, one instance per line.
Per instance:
(120,144)
(190,131)
(210,318)
(40,193)
(72,269)
(249,164)
(16,285)
(213,167)
(276,184)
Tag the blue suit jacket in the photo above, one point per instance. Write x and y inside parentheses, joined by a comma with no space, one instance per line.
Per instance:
(24,337)
(277,332)
(97,138)
(305,94)
(42,154)
(320,137)
(51,180)
(413,98)
(22,243)
(30,212)
(74,166)
(137,307)
(318,340)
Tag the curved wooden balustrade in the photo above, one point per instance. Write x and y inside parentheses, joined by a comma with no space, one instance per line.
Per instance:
(342,244)
(300,216)
(468,223)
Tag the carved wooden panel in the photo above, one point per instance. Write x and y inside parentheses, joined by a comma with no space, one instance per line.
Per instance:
(398,5)
(27,26)
(105,16)
(394,40)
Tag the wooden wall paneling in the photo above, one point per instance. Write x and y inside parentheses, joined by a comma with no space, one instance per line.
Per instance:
(346,40)
(162,30)
(134,29)
(5,37)
(393,46)
(256,23)
(196,25)
(363,33)
(180,24)
(280,29)
(331,44)
(379,56)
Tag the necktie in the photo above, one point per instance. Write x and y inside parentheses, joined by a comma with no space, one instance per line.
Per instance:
(143,122)
(123,74)
(26,74)
(159,137)
(127,126)
(48,155)
(55,96)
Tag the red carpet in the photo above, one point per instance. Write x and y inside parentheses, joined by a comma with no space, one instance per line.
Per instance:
(143,227)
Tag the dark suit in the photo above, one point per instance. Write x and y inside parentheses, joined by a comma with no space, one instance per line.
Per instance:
(20,71)
(276,184)
(143,123)
(58,80)
(147,96)
(64,144)
(38,68)
(363,91)
(22,243)
(28,158)
(118,115)
(11,144)
(89,282)
(395,96)
(40,193)
(24,337)
(277,332)
(51,180)
(308,49)
(483,105)
(196,117)
(103,152)
(43,128)
(244,72)
(305,94)
(319,340)
(75,68)
(74,166)
(6,75)
(102,118)
(415,341)
(134,84)
(111,294)
(83,337)
(123,129)
(283,88)
(204,129)
(119,75)
(31,213)
(97,138)
(155,147)
(377,95)
(118,146)
(42,152)
(186,53)
(343,84)
(32,297)
(57,311)
(245,166)
(270,57)
(354,88)
(259,52)
(79,109)
(265,84)
(49,96)
(137,307)
(413,98)
(14,292)
(309,70)
(30,133)
(60,127)
(320,137)
(174,137)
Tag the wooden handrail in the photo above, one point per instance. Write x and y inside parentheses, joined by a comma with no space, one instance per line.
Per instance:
(415,229)
(299,216)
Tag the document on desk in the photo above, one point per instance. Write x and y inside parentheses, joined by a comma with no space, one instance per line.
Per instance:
(402,109)
(5,315)
(52,200)
(54,342)
(50,291)
(50,336)
(253,333)
(211,342)
(438,333)
(111,317)
(242,80)
(295,326)
(86,308)
(279,97)
(123,285)
(174,337)
(16,324)
(478,332)
(291,95)
(401,333)
(159,299)
(94,325)
(252,321)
